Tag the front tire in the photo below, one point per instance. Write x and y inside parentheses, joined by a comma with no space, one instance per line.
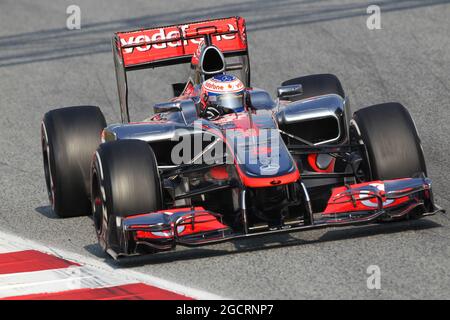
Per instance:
(393,145)
(69,138)
(125,182)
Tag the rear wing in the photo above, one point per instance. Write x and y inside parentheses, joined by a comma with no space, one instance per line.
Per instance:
(175,44)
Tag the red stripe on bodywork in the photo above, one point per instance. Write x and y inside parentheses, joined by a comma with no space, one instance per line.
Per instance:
(135,291)
(30,260)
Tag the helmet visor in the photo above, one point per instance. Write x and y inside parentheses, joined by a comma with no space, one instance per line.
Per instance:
(230,102)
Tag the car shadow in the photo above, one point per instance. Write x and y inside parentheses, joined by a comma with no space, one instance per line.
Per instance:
(47,212)
(265,243)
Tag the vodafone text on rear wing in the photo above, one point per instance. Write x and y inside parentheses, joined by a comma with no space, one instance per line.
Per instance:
(168,45)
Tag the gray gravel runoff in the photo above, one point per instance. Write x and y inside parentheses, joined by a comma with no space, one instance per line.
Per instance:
(43,65)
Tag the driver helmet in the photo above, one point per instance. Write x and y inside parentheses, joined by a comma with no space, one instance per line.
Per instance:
(221,94)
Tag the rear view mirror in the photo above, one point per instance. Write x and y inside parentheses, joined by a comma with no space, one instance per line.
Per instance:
(259,99)
(289,90)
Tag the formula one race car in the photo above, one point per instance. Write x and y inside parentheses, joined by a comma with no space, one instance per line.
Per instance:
(222,160)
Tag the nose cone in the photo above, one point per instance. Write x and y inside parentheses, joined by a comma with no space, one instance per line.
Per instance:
(262,166)
(261,156)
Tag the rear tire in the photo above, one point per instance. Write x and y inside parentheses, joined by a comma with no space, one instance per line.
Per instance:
(317,85)
(69,138)
(125,182)
(393,144)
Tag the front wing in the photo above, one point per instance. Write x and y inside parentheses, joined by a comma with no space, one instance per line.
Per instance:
(348,205)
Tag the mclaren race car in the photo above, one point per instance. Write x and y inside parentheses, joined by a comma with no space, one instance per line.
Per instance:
(194,173)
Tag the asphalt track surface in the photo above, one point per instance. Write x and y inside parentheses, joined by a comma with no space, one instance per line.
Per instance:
(43,65)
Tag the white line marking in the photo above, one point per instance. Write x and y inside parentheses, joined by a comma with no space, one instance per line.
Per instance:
(55,280)
(130,276)
(9,247)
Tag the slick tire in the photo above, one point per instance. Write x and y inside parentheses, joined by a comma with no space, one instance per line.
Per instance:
(393,145)
(125,182)
(69,139)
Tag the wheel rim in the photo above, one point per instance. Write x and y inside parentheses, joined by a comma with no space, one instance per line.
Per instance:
(99,211)
(47,167)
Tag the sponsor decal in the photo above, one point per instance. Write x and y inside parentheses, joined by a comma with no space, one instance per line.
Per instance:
(168,234)
(372,203)
(223,83)
(162,34)
(161,43)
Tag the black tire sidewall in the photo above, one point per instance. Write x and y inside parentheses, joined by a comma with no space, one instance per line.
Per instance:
(72,133)
(392,142)
(130,181)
